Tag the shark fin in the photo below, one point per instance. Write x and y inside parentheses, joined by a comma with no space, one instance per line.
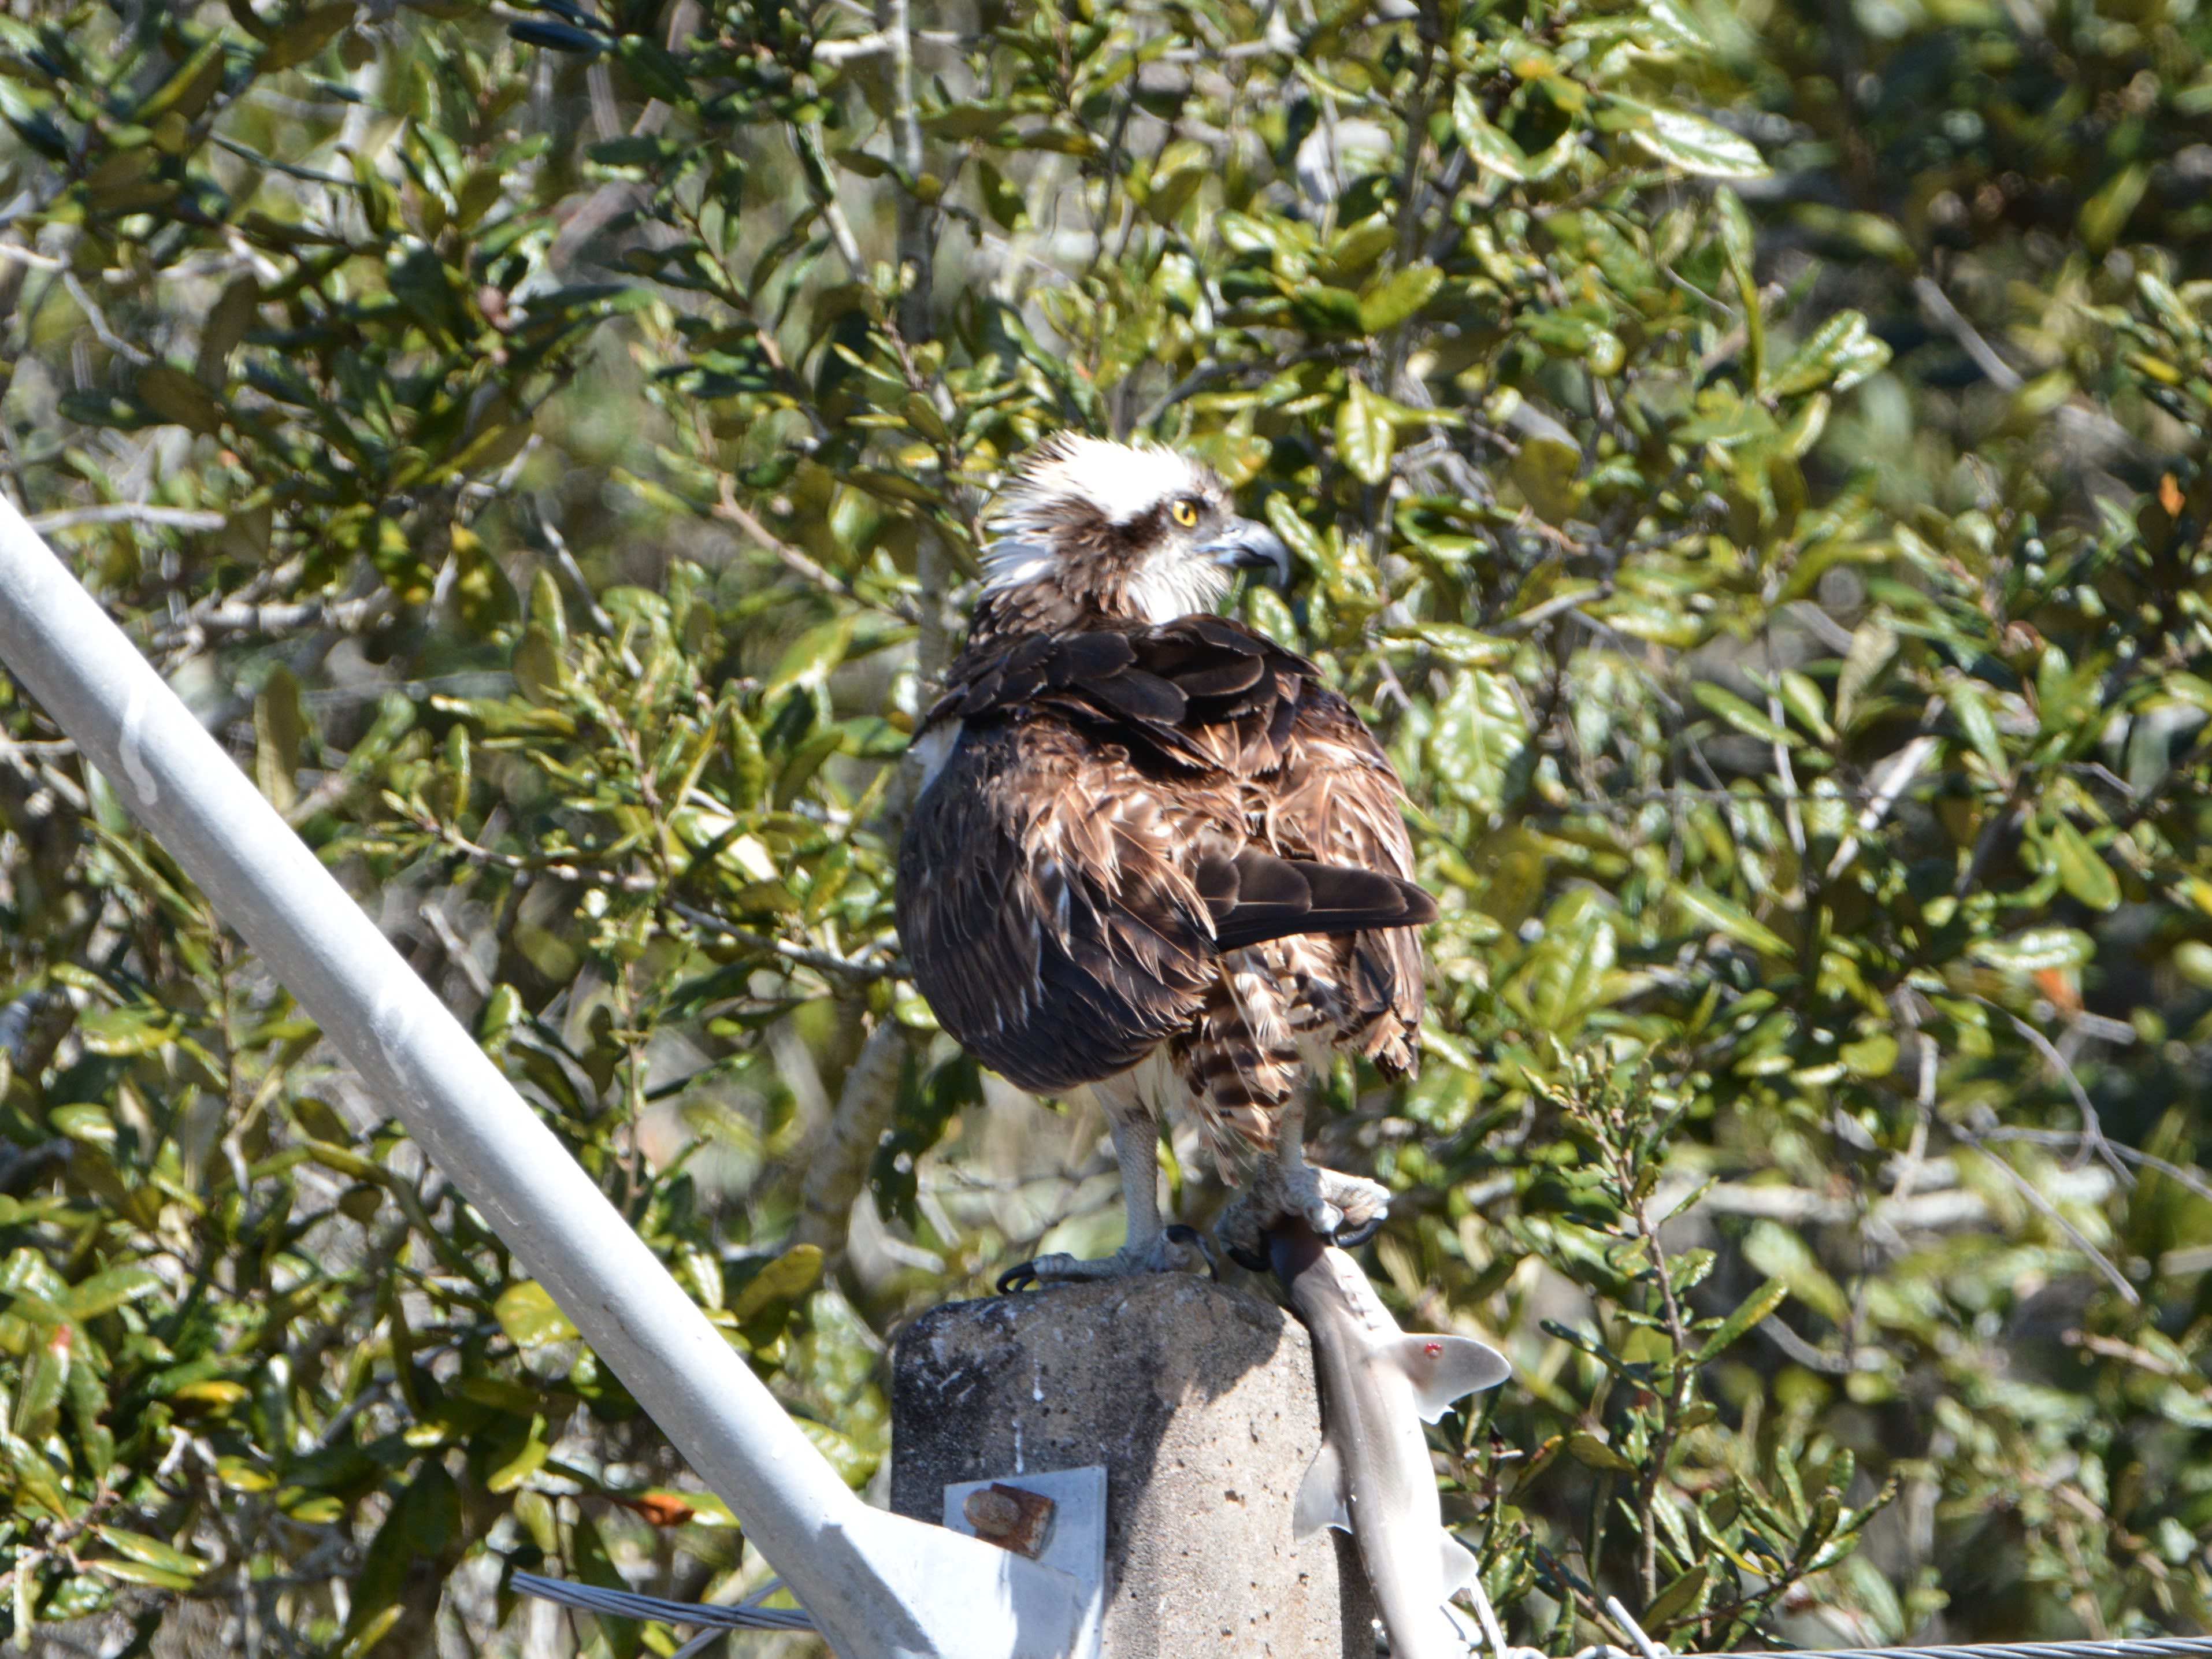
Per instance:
(1320,1496)
(1460,1568)
(1443,1367)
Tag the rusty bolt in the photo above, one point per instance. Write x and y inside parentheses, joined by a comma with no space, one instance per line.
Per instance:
(1010,1518)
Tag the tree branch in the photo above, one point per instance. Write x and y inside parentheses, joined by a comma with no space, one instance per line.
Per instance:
(839,1167)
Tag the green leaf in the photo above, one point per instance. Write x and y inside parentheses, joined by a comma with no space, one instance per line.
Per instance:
(1802,698)
(1725,915)
(1365,435)
(895,487)
(1873,1056)
(1741,714)
(968,120)
(527,1313)
(1549,464)
(2105,214)
(2193,958)
(1782,1253)
(422,1527)
(189,86)
(654,69)
(2036,949)
(1838,354)
(1388,302)
(232,314)
(1733,1329)
(524,1463)
(1593,1453)
(785,1280)
(176,397)
(2082,869)
(150,1551)
(122,1032)
(106,1290)
(1971,709)
(1001,200)
(138,1572)
(1679,1598)
(811,659)
(854,1466)
(539,673)
(1491,149)
(1697,145)
(243,1474)
(301,38)
(1463,647)
(280,730)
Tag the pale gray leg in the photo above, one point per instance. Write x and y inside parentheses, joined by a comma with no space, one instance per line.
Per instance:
(1137,1150)
(1149,1247)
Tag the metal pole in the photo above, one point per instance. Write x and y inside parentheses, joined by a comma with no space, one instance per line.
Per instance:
(880,1586)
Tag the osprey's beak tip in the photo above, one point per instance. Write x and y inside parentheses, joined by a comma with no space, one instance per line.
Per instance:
(1247,545)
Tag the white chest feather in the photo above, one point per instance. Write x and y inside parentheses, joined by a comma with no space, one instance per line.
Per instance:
(1175,586)
(932,750)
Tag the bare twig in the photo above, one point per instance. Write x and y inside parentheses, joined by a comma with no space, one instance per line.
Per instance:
(1891,778)
(98,319)
(806,956)
(174,518)
(456,948)
(557,545)
(814,167)
(1986,843)
(839,1168)
(2093,1127)
(2027,1189)
(730,510)
(2193,1180)
(1938,306)
(239,616)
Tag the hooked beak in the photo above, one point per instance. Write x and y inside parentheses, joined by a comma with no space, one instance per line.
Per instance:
(1246,545)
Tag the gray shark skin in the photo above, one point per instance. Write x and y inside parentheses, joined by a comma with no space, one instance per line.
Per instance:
(1372,1477)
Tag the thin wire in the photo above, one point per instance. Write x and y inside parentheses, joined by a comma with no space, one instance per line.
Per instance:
(749,1615)
(2150,1647)
(628,1604)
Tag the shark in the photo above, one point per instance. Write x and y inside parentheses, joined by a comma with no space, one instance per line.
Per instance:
(1372,1477)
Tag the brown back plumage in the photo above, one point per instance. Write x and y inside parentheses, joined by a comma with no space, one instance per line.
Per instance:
(1146,835)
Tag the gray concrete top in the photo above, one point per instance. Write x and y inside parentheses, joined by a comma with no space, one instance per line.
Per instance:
(1201,1402)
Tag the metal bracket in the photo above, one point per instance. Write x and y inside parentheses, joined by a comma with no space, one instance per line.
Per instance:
(1076,1540)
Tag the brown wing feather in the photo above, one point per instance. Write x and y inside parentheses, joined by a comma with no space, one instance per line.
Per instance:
(1123,850)
(1338,802)
(1043,909)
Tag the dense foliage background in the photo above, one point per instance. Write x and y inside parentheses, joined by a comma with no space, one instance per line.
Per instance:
(1748,460)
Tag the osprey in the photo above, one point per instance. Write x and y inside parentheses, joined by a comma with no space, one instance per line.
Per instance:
(1153,852)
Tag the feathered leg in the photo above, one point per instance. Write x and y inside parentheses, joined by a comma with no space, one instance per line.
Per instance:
(1345,1209)
(1248,1064)
(1149,1247)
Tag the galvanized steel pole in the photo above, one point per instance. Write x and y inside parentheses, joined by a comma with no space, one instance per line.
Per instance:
(880,1587)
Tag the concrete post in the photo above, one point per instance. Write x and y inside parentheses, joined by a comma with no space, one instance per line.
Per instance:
(1199,1400)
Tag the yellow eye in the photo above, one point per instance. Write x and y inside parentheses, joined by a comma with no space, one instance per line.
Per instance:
(1183,511)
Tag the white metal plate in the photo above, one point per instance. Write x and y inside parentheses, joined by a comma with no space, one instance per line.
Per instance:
(1077,1544)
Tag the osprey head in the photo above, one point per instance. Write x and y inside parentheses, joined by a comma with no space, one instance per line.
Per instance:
(1089,530)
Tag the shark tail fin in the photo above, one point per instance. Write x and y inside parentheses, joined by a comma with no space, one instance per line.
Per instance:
(1460,1568)
(1321,1500)
(1443,1368)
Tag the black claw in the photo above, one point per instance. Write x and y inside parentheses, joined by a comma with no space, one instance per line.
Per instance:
(1177,1233)
(1244,1258)
(1019,1277)
(1351,1239)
